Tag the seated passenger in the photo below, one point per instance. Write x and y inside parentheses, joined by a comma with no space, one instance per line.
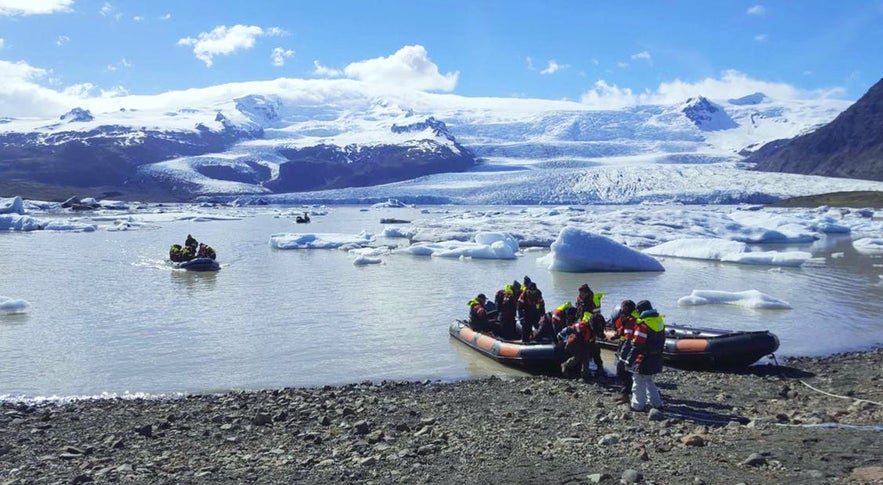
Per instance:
(478,319)
(553,322)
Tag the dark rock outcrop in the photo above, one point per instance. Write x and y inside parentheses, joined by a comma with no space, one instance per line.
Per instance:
(851,146)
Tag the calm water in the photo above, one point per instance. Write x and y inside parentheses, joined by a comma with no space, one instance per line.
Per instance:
(107,315)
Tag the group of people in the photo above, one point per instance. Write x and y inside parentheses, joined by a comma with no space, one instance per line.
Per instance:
(190,250)
(518,312)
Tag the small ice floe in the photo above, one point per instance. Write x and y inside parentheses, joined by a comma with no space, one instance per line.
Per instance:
(769,258)
(16,222)
(748,299)
(390,231)
(70,226)
(487,245)
(837,255)
(320,240)
(391,203)
(869,246)
(8,306)
(578,251)
(366,260)
(14,205)
(698,248)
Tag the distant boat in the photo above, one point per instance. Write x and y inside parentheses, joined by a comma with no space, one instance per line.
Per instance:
(302,219)
(198,264)
(386,220)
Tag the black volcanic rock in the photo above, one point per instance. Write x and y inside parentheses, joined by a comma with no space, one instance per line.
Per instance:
(707,116)
(851,146)
(77,115)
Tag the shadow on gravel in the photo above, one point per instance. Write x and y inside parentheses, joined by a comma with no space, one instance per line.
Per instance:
(711,414)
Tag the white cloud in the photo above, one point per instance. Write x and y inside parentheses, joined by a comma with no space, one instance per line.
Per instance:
(21,95)
(730,84)
(756,10)
(1,42)
(644,56)
(410,66)
(224,41)
(34,7)
(529,62)
(166,16)
(760,37)
(554,67)
(137,18)
(279,55)
(325,71)
(123,64)
(62,40)
(622,65)
(106,9)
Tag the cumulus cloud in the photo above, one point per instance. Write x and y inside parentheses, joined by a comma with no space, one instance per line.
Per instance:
(410,66)
(279,55)
(223,40)
(554,67)
(756,10)
(21,94)
(730,84)
(642,56)
(106,9)
(122,64)
(34,7)
(324,71)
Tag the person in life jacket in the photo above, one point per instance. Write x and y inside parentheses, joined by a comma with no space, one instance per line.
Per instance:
(531,307)
(176,254)
(205,251)
(507,305)
(623,320)
(553,322)
(645,357)
(587,303)
(191,243)
(579,340)
(478,319)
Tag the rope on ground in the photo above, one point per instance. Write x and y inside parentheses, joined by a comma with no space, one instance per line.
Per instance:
(839,396)
(834,425)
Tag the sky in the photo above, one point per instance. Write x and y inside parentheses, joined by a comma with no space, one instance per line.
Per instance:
(593,52)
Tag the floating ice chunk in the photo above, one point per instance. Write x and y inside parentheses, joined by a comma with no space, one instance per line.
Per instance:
(579,251)
(8,306)
(771,258)
(748,299)
(867,245)
(696,248)
(319,241)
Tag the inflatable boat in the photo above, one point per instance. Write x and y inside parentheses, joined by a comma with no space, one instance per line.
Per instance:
(706,348)
(532,356)
(198,264)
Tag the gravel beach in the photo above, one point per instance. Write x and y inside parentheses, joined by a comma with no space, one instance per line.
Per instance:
(808,420)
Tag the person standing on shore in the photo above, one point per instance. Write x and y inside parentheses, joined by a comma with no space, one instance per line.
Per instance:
(623,320)
(645,357)
(588,303)
(579,340)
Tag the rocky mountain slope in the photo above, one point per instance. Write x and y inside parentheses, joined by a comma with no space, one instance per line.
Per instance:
(292,135)
(851,146)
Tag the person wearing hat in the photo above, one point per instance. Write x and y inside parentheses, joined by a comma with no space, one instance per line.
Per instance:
(531,307)
(645,357)
(478,318)
(623,320)
(588,302)
(579,339)
(507,306)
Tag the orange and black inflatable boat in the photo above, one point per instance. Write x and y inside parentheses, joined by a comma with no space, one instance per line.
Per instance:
(532,356)
(707,348)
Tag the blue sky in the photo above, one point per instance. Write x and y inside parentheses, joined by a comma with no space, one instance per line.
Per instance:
(553,49)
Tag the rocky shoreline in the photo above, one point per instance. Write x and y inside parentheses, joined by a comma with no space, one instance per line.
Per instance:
(810,420)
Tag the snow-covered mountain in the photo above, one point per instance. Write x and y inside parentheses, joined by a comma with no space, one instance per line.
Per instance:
(291,135)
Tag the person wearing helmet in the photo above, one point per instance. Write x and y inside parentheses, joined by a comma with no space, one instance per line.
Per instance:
(645,357)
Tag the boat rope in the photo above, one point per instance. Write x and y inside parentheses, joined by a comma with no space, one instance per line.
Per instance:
(839,396)
(876,427)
